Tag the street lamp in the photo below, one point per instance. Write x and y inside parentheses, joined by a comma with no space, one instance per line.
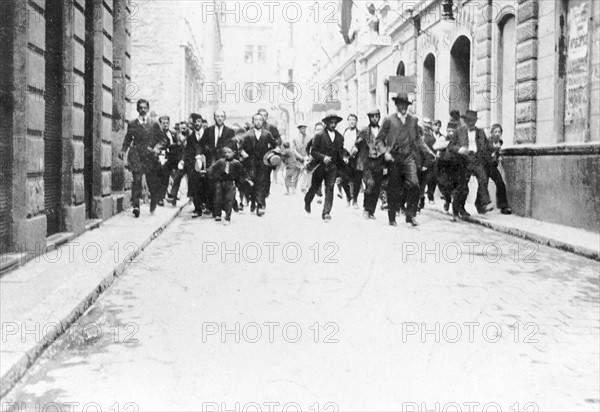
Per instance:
(447,12)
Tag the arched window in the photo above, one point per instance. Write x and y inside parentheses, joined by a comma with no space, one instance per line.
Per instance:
(459,92)
(429,87)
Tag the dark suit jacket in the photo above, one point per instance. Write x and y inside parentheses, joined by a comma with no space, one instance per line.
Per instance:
(274,132)
(207,144)
(400,138)
(256,150)
(323,146)
(365,143)
(141,139)
(461,139)
(192,148)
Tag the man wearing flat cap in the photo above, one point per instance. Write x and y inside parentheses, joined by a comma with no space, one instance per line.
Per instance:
(472,144)
(369,163)
(327,150)
(400,135)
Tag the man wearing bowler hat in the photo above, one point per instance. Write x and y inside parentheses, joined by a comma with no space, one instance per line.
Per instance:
(400,135)
(472,144)
(327,150)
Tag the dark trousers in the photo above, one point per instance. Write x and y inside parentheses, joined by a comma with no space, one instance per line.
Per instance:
(262,180)
(177,176)
(345,174)
(153,181)
(372,176)
(443,178)
(496,176)
(164,174)
(323,173)
(477,168)
(224,191)
(402,176)
(431,182)
(207,192)
(357,179)
(458,184)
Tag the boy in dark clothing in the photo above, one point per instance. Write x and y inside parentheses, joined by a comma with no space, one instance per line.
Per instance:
(226,172)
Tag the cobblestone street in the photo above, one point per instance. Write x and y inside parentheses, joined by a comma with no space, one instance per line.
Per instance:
(285,312)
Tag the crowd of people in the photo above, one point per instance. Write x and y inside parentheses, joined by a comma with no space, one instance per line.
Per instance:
(398,163)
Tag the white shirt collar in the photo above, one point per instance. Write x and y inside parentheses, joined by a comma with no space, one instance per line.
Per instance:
(402,117)
(257,133)
(331,134)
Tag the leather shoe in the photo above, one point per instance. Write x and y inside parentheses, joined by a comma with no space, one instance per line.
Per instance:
(456,217)
(413,222)
(260,212)
(136,211)
(307,207)
(217,218)
(161,203)
(326,218)
(446,206)
(393,223)
(463,213)
(506,211)
(485,209)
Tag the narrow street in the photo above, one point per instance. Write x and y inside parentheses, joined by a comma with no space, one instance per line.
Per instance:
(285,312)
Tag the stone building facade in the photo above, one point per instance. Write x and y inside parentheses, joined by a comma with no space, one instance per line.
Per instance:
(531,65)
(65,75)
(178,51)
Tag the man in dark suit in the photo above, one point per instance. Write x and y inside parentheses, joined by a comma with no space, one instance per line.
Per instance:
(327,150)
(169,158)
(400,135)
(176,159)
(256,143)
(369,163)
(472,143)
(277,136)
(215,138)
(144,141)
(192,151)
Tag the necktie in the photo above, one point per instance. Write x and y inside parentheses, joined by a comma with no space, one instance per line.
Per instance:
(226,167)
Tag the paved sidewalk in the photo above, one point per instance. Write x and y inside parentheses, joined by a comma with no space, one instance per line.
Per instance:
(569,239)
(56,288)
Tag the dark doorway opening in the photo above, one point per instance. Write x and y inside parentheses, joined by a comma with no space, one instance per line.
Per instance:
(53,117)
(429,87)
(459,92)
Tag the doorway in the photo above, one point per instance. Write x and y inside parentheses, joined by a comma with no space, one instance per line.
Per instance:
(459,93)
(429,94)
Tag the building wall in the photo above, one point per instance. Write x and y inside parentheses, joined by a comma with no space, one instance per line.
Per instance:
(550,161)
(176,46)
(59,65)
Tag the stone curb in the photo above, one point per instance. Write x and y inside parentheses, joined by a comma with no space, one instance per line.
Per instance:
(527,235)
(26,360)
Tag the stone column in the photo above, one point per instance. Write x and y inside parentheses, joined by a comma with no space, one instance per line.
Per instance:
(102,101)
(73,115)
(527,87)
(483,66)
(29,220)
(121,99)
